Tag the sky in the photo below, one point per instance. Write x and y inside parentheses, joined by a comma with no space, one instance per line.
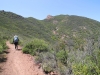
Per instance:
(39,9)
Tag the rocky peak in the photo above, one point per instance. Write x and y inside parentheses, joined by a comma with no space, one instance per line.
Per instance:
(49,17)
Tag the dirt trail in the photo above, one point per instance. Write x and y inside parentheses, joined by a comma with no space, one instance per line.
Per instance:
(19,63)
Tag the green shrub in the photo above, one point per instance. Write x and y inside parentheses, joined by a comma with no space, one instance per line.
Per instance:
(62,56)
(62,69)
(46,67)
(85,69)
(36,46)
(38,60)
(97,53)
(1,49)
(2,45)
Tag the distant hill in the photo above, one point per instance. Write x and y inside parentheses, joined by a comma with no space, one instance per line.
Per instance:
(11,24)
(72,26)
(74,40)
(64,25)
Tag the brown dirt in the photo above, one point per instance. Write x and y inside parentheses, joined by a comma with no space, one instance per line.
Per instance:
(19,63)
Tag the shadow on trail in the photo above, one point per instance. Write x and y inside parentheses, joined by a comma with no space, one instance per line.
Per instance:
(3,59)
(19,49)
(1,69)
(3,56)
(6,52)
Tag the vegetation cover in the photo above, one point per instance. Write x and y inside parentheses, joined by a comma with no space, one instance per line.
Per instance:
(67,44)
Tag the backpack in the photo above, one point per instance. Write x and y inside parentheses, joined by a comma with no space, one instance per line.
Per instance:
(16,39)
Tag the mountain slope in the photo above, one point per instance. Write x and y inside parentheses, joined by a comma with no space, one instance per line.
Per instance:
(11,24)
(74,41)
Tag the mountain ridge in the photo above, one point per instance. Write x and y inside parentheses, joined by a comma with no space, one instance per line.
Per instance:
(20,23)
(11,24)
(73,41)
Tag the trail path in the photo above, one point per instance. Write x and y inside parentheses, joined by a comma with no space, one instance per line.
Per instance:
(19,63)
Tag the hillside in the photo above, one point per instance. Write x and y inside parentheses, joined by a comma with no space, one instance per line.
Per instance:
(73,41)
(11,24)
(73,25)
(64,25)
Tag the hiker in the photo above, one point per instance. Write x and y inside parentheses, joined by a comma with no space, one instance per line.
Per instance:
(15,41)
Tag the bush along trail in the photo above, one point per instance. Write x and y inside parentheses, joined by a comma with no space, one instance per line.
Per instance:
(20,64)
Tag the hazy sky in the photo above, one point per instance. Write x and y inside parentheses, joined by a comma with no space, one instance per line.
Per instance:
(39,9)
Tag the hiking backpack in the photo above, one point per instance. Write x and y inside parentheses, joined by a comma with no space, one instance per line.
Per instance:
(16,39)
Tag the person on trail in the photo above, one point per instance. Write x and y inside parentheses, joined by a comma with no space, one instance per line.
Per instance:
(15,41)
